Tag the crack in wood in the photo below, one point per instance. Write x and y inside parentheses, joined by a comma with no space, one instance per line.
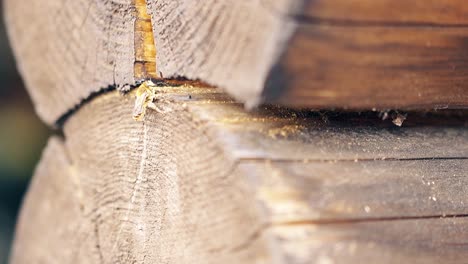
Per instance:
(361,220)
(264,228)
(159,82)
(98,240)
(145,49)
(138,181)
(260,159)
(144,62)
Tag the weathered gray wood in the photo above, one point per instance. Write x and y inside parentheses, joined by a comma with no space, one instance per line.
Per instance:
(207,41)
(67,50)
(148,199)
(337,191)
(50,228)
(400,241)
(193,185)
(281,134)
(298,53)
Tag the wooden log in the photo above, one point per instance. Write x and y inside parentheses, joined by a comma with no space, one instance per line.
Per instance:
(203,181)
(49,228)
(430,12)
(323,54)
(373,67)
(69,50)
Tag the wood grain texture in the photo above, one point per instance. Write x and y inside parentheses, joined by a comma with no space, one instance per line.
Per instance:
(49,228)
(365,67)
(67,50)
(321,54)
(418,12)
(403,241)
(339,191)
(231,44)
(194,185)
(145,50)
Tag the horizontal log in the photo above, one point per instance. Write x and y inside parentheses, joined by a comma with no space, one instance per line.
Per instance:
(375,67)
(394,241)
(190,184)
(321,54)
(417,12)
(75,49)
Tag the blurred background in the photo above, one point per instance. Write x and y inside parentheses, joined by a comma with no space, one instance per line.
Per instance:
(22,137)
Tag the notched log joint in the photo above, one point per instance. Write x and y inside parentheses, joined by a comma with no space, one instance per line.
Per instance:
(144,63)
(145,49)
